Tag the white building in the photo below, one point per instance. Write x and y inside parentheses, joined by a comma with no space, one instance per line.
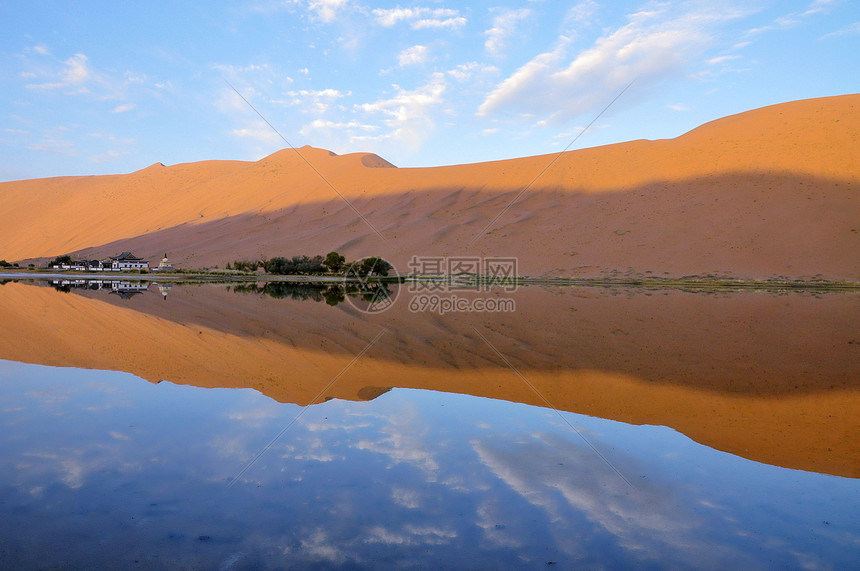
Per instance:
(127,261)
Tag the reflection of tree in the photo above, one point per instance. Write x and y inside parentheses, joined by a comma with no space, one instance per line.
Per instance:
(369,291)
(332,294)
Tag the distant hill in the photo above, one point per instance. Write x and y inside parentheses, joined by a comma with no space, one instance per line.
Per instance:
(770,192)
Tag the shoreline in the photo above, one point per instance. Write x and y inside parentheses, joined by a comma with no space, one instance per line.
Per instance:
(696,283)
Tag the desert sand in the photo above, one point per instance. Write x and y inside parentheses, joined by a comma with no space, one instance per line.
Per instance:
(772,378)
(767,193)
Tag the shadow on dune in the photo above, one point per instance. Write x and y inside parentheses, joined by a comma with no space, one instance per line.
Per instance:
(751,225)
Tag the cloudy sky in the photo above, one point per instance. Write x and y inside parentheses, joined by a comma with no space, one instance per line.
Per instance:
(112,87)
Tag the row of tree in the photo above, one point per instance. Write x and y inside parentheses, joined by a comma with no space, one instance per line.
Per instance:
(332,263)
(60,260)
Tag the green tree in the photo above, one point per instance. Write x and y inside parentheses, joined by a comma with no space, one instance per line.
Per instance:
(66,259)
(373,266)
(334,261)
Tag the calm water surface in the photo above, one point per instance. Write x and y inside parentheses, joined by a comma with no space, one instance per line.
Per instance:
(105,469)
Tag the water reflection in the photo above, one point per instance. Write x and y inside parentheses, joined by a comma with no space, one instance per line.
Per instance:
(772,378)
(332,292)
(364,293)
(125,289)
(105,469)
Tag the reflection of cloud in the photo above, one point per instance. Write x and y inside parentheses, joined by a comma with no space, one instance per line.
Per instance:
(558,476)
(403,442)
(405,498)
(414,535)
(495,534)
(255,416)
(318,546)
(71,469)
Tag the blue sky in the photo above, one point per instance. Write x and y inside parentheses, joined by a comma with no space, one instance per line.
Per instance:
(112,87)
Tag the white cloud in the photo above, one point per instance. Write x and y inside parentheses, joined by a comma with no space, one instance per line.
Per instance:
(465,71)
(76,76)
(105,158)
(794,19)
(77,69)
(504,26)
(722,59)
(818,6)
(420,18)
(412,56)
(123,108)
(678,107)
(581,13)
(650,47)
(450,23)
(258,131)
(75,72)
(321,93)
(849,30)
(323,125)
(237,70)
(409,112)
(316,101)
(327,10)
(54,146)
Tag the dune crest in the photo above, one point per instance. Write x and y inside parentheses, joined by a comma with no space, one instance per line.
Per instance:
(766,193)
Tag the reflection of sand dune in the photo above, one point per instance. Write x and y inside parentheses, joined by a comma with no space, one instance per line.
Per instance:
(764,193)
(775,379)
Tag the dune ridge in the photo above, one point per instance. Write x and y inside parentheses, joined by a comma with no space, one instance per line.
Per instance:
(770,192)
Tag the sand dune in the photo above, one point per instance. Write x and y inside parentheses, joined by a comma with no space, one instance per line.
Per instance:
(771,192)
(770,378)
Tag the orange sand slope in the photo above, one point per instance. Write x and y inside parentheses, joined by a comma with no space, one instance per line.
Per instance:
(770,378)
(771,192)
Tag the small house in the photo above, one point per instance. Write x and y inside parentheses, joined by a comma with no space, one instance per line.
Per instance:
(128,261)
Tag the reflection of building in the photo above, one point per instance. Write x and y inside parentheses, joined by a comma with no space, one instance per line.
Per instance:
(163,288)
(124,289)
(165,265)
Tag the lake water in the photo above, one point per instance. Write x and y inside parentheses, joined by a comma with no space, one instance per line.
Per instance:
(586,428)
